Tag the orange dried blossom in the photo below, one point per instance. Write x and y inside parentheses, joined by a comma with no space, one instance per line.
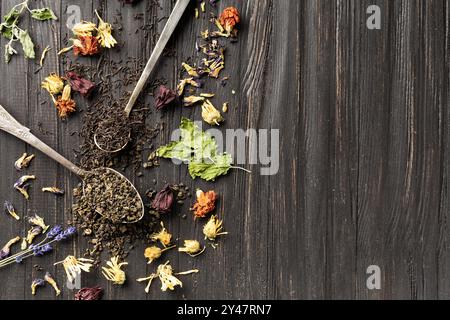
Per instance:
(65,104)
(86,46)
(206,203)
(229,18)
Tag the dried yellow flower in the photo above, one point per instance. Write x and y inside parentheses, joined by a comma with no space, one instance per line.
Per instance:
(190,70)
(163,236)
(213,228)
(104,33)
(53,84)
(210,114)
(192,248)
(83,29)
(191,100)
(113,272)
(154,253)
(73,266)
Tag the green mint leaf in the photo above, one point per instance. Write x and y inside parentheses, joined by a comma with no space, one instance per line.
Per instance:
(210,170)
(27,43)
(43,14)
(11,17)
(6,30)
(175,150)
(9,52)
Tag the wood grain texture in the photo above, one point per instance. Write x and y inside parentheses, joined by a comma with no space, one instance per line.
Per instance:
(364,150)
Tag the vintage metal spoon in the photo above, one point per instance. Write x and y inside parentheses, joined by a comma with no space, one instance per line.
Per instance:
(171,24)
(12,126)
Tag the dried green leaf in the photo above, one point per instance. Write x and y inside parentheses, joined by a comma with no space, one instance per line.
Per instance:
(27,43)
(43,14)
(9,52)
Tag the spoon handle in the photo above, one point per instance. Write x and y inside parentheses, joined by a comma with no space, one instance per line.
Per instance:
(171,24)
(12,126)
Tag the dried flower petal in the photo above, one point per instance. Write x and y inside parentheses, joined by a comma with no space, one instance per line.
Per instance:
(35,284)
(53,190)
(191,100)
(53,84)
(154,253)
(206,203)
(192,248)
(65,105)
(229,19)
(163,236)
(6,250)
(164,97)
(22,186)
(104,33)
(73,266)
(190,81)
(163,201)
(213,228)
(51,281)
(190,70)
(33,233)
(86,46)
(210,114)
(83,29)
(23,161)
(79,84)
(9,208)
(38,221)
(113,272)
(89,294)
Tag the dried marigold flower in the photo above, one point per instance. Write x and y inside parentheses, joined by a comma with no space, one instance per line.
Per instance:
(104,33)
(89,294)
(53,84)
(83,29)
(51,281)
(6,250)
(210,114)
(192,248)
(73,266)
(206,203)
(163,201)
(163,236)
(113,272)
(35,284)
(154,253)
(86,46)
(65,105)
(23,161)
(79,84)
(229,19)
(164,98)
(213,228)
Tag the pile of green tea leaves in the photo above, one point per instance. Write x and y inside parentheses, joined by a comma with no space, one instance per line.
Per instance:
(9,28)
(199,150)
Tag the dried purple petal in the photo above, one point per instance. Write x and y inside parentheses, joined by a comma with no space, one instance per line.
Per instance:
(9,208)
(35,284)
(23,161)
(6,250)
(79,84)
(164,97)
(89,293)
(22,186)
(163,201)
(33,233)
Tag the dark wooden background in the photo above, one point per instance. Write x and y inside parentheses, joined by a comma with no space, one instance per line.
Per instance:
(363,180)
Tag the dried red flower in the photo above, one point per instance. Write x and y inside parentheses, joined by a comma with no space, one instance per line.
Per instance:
(229,18)
(89,294)
(79,84)
(206,203)
(86,46)
(163,201)
(164,97)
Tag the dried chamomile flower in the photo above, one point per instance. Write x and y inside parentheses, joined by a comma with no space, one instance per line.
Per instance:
(154,253)
(213,228)
(83,28)
(166,276)
(210,114)
(22,185)
(113,272)
(38,221)
(53,84)
(190,70)
(53,190)
(33,233)
(206,203)
(23,161)
(65,105)
(229,19)
(51,281)
(86,46)
(163,236)
(6,250)
(191,100)
(73,266)
(192,248)
(35,284)
(104,33)
(9,209)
